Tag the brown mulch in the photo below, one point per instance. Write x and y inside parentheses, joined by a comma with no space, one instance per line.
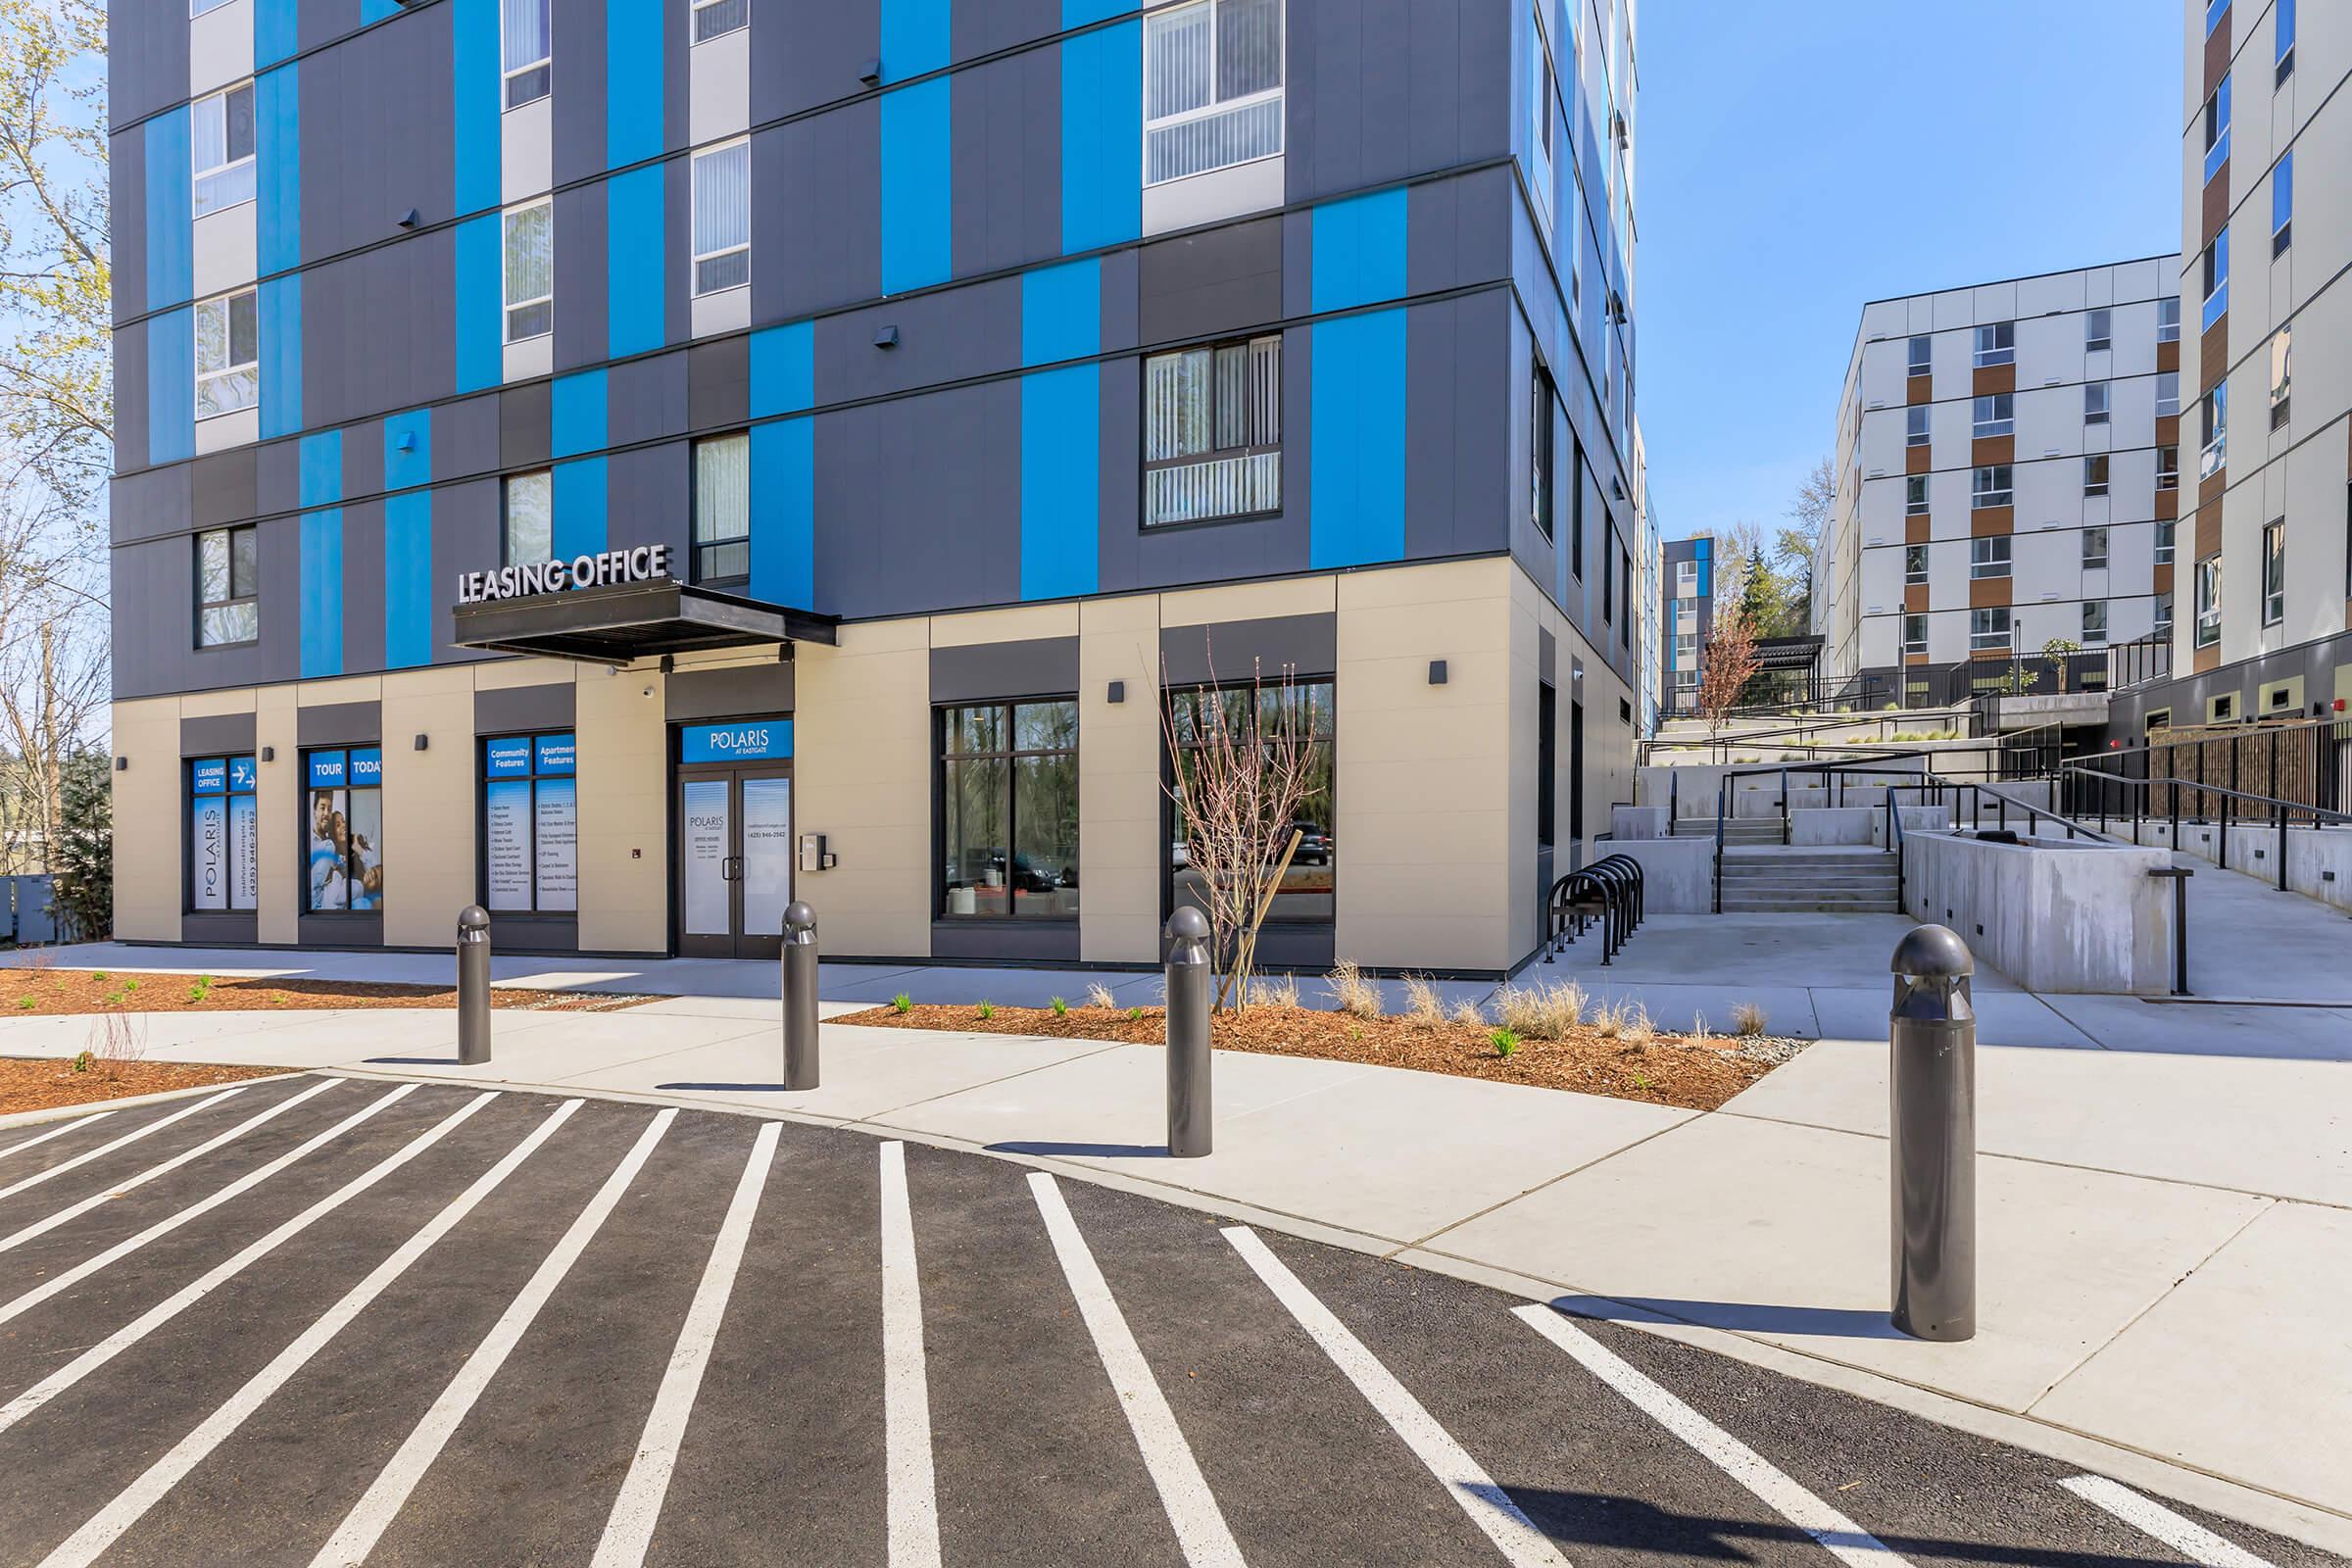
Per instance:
(36,1083)
(34,992)
(1667,1070)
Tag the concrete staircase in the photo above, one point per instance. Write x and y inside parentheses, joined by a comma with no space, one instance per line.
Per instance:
(1743,831)
(1826,881)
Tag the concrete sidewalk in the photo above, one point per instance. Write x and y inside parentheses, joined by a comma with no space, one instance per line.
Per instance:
(2166,1234)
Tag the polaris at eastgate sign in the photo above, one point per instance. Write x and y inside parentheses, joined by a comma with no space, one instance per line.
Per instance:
(643,563)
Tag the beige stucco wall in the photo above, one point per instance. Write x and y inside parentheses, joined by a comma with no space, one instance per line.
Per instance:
(429,805)
(861,776)
(1120,845)
(276,801)
(624,810)
(147,813)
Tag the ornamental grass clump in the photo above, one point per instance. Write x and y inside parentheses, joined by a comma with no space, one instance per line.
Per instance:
(1354,995)
(1542,1009)
(1423,1008)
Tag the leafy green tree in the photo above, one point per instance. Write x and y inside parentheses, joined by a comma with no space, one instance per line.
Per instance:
(82,894)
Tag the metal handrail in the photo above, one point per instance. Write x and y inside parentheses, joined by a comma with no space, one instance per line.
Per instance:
(2136,790)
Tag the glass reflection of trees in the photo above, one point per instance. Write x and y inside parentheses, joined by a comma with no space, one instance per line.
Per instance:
(1305,895)
(1009,774)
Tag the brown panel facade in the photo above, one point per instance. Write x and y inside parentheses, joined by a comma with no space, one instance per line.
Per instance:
(2205,658)
(2168,504)
(1916,531)
(1985,592)
(2168,427)
(2215,210)
(2213,354)
(2167,355)
(2164,578)
(2217,53)
(1992,449)
(1919,389)
(1985,522)
(1990,379)
(2205,536)
(1918,460)
(1915,597)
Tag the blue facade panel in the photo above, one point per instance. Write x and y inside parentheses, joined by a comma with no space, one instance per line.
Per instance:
(580,505)
(278,157)
(915,37)
(408,579)
(784,513)
(319,471)
(783,370)
(1101,136)
(377,10)
(408,449)
(172,386)
(475,101)
(1081,13)
(633,76)
(279,304)
(477,301)
(1062,482)
(1356,460)
(1359,251)
(918,194)
(1061,313)
(276,31)
(170,201)
(634,273)
(577,410)
(318,485)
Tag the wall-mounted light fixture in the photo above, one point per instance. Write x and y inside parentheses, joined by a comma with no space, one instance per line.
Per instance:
(1436,672)
(886,337)
(122,764)
(421,743)
(1118,692)
(408,219)
(268,754)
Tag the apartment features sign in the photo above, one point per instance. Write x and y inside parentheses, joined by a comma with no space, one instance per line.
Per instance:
(642,564)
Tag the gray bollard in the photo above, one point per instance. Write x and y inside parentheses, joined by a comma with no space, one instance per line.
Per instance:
(473,986)
(1932,1038)
(1189,976)
(800,997)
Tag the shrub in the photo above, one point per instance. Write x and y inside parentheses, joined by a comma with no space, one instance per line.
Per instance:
(1061,1009)
(1542,1011)
(1099,995)
(987,1009)
(1280,992)
(1423,1008)
(1624,1020)
(1469,1014)
(1358,997)
(1748,1018)
(1505,1042)
(901,1002)
(1135,1014)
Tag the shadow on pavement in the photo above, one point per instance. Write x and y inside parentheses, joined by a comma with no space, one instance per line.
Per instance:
(411,1061)
(1739,1317)
(729,1089)
(1084,1151)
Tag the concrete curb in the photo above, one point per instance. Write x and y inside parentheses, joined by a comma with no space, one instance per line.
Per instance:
(33,1118)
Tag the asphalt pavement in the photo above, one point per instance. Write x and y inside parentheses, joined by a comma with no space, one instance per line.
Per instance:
(326,1321)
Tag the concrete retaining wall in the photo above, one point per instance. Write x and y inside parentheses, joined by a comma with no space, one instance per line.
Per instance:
(2053,915)
(1634,824)
(1678,875)
(1916,820)
(1831,824)
(2319,861)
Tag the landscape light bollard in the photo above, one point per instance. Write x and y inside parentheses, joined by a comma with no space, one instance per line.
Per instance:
(1189,974)
(473,986)
(800,997)
(1931,1036)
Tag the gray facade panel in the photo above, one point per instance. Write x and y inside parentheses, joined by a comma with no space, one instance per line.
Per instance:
(816,209)
(126,214)
(214,733)
(1036,666)
(577,103)
(276,476)
(222,487)
(1005,941)
(1121,285)
(376,331)
(814,61)
(719,383)
(745,691)
(130,397)
(1120,462)
(1232,651)
(918,502)
(364,585)
(647,399)
(512,710)
(1215,282)
(1006,117)
(677,220)
(378,129)
(465,438)
(1458,422)
(525,418)
(154,599)
(363,458)
(152,505)
(646,502)
(465,523)
(339,725)
(580,288)
(947,336)
(1459,231)
(985,29)
(147,57)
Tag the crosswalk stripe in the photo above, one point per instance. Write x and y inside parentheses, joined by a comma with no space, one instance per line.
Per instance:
(108,1524)
(127,1139)
(41,1227)
(1838,1534)
(629,1528)
(122,1338)
(203,1206)
(373,1513)
(913,1517)
(1192,1508)
(1475,1491)
(57,1131)
(2152,1518)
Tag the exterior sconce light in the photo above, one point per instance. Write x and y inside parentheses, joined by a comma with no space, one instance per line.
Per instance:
(1436,672)
(122,764)
(872,71)
(1118,692)
(421,743)
(408,219)
(268,754)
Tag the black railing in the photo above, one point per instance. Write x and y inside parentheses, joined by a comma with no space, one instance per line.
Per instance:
(2139,662)
(2123,797)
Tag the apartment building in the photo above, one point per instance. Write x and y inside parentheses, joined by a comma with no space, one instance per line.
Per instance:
(2008,473)
(1686,620)
(632,462)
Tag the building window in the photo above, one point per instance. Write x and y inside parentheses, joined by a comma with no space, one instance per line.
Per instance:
(1608,590)
(723,217)
(2168,318)
(2282,16)
(531,267)
(223,148)
(1543,105)
(2094,403)
(1915,426)
(2098,329)
(2213,430)
(1686,579)
(1989,556)
(2209,602)
(2217,129)
(2095,622)
(714,19)
(197,7)
(1199,718)
(2094,549)
(2274,572)
(1624,592)
(1213,86)
(530,824)
(1918,361)
(2166,528)
(1577,471)
(2282,203)
(2216,268)
(344,819)
(1548,767)
(225,845)
(2094,475)
(229,354)
(723,509)
(1686,651)
(1540,442)
(2168,467)
(1996,344)
(2164,616)
(1915,636)
(2167,394)
(1990,487)
(1008,809)
(528,526)
(227,586)
(1212,432)
(1915,495)
(1989,629)
(529,70)
(1995,414)
(1915,564)
(2281,344)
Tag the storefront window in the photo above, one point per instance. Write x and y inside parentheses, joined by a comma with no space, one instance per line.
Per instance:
(1008,809)
(344,830)
(225,855)
(1304,895)
(531,826)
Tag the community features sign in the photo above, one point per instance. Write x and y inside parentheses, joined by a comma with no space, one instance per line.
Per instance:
(640,563)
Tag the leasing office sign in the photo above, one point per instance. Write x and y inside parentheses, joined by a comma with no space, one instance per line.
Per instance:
(644,563)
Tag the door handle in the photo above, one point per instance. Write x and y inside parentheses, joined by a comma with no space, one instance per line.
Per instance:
(730,869)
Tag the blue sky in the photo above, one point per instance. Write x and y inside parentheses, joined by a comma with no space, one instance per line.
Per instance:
(2047,131)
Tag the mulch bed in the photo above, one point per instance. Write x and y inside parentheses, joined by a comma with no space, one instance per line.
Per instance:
(36,1083)
(34,992)
(1689,1072)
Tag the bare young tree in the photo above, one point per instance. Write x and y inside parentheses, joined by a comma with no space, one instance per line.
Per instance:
(1247,758)
(1730,663)
(53,666)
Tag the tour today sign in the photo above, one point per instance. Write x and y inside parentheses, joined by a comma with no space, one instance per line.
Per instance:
(641,563)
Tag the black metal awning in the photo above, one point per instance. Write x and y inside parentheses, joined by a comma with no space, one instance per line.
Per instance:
(1788,653)
(620,623)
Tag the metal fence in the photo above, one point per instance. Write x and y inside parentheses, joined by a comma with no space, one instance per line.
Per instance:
(2180,771)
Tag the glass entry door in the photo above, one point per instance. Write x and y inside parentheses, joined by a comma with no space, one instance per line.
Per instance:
(734,860)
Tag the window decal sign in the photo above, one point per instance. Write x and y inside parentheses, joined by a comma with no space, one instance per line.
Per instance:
(209,776)
(367,768)
(328,770)
(756,740)
(507,841)
(555,752)
(244,776)
(509,757)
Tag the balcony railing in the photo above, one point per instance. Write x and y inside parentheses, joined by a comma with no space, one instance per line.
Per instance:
(1215,139)
(1221,487)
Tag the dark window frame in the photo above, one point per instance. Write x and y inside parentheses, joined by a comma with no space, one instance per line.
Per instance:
(187,801)
(698,548)
(1148,465)
(1171,823)
(1542,443)
(302,830)
(1009,754)
(505,521)
(1547,764)
(231,535)
(534,778)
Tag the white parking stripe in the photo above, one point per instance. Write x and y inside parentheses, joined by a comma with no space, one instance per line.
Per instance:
(373,1513)
(251,1179)
(629,1528)
(1489,1507)
(2152,1518)
(108,1525)
(122,1338)
(57,1131)
(129,1137)
(1200,1529)
(42,1227)
(1838,1534)
(906,1383)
